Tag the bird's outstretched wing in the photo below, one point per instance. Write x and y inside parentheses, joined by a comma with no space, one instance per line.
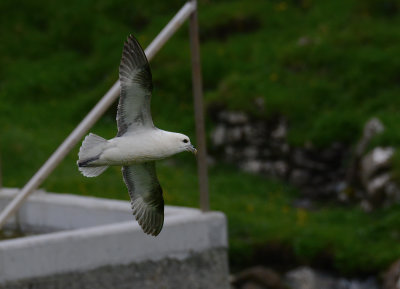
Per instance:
(136,87)
(146,196)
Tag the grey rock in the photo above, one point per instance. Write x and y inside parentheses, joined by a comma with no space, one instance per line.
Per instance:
(233,117)
(373,127)
(380,190)
(218,136)
(343,196)
(230,153)
(369,283)
(392,192)
(281,168)
(341,192)
(307,278)
(257,137)
(266,153)
(250,152)
(252,166)
(260,103)
(279,147)
(377,160)
(299,177)
(285,149)
(268,168)
(234,134)
(340,186)
(280,131)
(377,185)
(366,206)
(257,147)
(248,131)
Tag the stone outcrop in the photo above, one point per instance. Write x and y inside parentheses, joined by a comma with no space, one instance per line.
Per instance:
(260,146)
(376,178)
(299,278)
(335,172)
(308,278)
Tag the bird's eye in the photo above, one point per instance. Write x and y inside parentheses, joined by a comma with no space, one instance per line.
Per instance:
(185,140)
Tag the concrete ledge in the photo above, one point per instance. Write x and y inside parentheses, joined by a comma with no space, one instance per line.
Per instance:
(87,234)
(166,273)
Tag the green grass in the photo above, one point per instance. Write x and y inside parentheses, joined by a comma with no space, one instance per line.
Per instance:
(58,58)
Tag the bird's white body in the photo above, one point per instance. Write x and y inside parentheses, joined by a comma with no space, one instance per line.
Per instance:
(141,146)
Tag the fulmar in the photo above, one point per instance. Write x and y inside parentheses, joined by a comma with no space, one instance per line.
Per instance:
(138,143)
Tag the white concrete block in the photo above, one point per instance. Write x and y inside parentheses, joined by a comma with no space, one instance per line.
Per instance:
(89,233)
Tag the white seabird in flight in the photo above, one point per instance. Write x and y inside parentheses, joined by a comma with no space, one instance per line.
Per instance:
(138,143)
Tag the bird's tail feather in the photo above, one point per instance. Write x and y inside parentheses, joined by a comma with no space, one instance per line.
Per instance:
(92,147)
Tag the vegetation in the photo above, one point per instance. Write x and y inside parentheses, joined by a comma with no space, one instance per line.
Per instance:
(327,66)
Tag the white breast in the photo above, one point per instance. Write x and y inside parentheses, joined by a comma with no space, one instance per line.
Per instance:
(148,145)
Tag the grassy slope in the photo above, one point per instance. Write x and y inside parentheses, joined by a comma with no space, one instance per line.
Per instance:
(56,59)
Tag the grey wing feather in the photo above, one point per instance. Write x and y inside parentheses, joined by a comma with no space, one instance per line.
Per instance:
(136,87)
(146,196)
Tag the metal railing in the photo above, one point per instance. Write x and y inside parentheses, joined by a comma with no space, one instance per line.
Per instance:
(187,10)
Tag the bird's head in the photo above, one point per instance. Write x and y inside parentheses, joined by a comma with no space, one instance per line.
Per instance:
(183,143)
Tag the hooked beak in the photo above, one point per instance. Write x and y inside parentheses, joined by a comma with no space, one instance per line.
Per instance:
(192,150)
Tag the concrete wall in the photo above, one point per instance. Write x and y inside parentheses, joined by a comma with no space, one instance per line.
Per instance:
(197,271)
(101,246)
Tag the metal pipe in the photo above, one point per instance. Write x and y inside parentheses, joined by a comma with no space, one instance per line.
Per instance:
(1,174)
(199,110)
(91,118)
(170,29)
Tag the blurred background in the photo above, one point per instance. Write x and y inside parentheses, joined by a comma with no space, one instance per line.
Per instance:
(302,114)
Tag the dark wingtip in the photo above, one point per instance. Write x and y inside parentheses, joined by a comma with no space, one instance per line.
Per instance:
(132,37)
(132,45)
(133,58)
(149,219)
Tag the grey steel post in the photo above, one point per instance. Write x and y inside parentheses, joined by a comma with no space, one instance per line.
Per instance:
(199,110)
(91,118)
(1,175)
